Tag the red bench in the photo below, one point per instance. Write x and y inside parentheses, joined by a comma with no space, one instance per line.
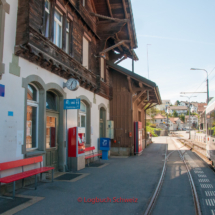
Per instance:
(88,149)
(23,174)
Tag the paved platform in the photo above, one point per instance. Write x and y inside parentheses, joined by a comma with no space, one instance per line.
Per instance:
(132,178)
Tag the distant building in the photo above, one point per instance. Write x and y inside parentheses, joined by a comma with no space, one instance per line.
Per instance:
(175,124)
(179,109)
(193,120)
(201,108)
(164,105)
(158,119)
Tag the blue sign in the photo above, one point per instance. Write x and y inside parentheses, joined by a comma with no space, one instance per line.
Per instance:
(10,113)
(72,104)
(2,90)
(105,143)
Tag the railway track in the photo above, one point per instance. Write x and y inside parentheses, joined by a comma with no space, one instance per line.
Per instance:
(152,202)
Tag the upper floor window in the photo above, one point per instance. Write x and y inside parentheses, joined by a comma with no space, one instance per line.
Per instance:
(58,23)
(85,53)
(84,2)
(67,36)
(102,69)
(47,17)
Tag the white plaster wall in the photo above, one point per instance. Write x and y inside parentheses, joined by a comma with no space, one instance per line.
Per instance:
(14,95)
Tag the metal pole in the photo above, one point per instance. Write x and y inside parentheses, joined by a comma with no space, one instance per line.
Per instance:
(207,90)
(189,118)
(148,61)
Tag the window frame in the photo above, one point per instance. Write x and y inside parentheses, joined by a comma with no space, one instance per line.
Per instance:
(34,104)
(88,55)
(58,23)
(49,12)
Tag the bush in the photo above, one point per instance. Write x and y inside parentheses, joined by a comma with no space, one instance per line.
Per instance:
(147,123)
(151,130)
(153,125)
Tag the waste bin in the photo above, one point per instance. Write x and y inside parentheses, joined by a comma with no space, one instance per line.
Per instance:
(105,145)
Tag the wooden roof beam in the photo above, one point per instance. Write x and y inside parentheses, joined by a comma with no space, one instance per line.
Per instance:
(145,105)
(112,47)
(139,95)
(109,8)
(128,24)
(119,61)
(109,18)
(142,100)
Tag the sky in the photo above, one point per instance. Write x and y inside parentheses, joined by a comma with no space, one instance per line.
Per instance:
(182,36)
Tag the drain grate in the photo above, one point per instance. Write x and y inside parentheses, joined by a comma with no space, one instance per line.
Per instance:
(94,164)
(67,177)
(8,204)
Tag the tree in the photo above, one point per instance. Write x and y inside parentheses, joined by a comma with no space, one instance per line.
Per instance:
(182,117)
(175,114)
(177,103)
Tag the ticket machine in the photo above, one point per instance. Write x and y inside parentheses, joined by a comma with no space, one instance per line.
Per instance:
(138,138)
(76,148)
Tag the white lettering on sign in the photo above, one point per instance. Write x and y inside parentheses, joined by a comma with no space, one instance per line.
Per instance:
(105,143)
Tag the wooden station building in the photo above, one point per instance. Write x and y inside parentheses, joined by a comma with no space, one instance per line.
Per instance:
(46,42)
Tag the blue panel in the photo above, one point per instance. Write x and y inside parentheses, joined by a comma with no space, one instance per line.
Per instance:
(105,143)
(10,113)
(2,90)
(72,104)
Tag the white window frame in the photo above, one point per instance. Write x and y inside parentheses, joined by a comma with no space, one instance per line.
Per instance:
(84,3)
(67,36)
(60,23)
(34,104)
(83,114)
(102,68)
(87,58)
(48,11)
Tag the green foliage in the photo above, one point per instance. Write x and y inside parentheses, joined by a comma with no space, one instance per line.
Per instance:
(182,117)
(175,114)
(151,130)
(153,125)
(147,123)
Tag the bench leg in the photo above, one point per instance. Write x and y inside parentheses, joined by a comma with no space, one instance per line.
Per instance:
(14,186)
(35,182)
(52,175)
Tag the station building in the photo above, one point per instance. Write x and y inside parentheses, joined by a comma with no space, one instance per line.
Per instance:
(45,43)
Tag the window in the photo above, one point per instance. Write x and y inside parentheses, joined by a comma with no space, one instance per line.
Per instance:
(32,117)
(102,69)
(67,36)
(83,2)
(58,29)
(85,53)
(47,17)
(82,115)
(51,102)
(139,116)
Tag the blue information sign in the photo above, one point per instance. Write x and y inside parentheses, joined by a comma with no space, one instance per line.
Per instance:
(2,90)
(72,104)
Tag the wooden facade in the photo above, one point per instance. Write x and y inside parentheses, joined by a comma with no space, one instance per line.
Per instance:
(129,104)
(108,25)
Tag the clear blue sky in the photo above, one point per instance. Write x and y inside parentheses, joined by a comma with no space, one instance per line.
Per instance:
(182,36)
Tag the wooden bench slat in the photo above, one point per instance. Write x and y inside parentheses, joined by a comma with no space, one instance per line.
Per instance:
(19,176)
(89,149)
(20,163)
(91,156)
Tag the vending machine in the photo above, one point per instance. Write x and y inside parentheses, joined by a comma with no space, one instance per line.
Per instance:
(138,135)
(76,148)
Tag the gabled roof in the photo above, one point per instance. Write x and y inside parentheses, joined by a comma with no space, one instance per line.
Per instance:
(148,117)
(177,107)
(159,116)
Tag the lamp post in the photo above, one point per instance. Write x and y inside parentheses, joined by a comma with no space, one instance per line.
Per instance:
(148,58)
(189,110)
(206,82)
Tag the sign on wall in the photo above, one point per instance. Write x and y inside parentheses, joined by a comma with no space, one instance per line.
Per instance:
(2,90)
(72,104)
